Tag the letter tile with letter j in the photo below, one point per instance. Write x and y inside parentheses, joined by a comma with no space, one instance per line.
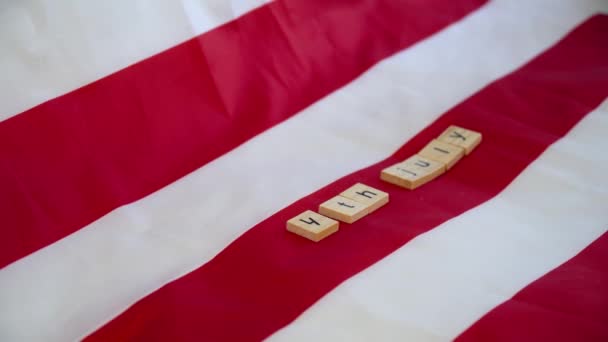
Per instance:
(413,172)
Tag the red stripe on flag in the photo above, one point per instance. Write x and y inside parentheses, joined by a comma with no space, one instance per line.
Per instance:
(268,276)
(568,304)
(71,160)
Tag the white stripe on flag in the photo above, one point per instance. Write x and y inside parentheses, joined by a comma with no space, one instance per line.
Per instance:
(86,279)
(440,283)
(50,48)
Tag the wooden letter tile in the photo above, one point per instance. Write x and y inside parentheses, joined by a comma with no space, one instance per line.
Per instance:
(343,209)
(445,153)
(413,172)
(362,193)
(312,226)
(462,137)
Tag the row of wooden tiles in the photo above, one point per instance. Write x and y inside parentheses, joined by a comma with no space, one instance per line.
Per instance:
(434,159)
(349,206)
(360,200)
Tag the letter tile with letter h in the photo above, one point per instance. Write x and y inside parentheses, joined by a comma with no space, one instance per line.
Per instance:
(351,205)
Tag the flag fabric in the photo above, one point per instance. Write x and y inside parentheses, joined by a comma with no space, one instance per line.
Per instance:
(151,153)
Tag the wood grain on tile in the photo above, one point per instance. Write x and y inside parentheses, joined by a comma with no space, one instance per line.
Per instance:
(343,209)
(443,152)
(413,172)
(461,137)
(312,226)
(365,194)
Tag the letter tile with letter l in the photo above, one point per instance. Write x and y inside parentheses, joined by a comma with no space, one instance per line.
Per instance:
(440,151)
(343,209)
(365,194)
(462,137)
(413,172)
(312,226)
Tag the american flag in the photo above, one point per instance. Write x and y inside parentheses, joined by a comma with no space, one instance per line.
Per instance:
(152,151)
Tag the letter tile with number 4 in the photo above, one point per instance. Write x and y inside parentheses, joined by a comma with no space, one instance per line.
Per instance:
(312,226)
(462,137)
(343,209)
(362,193)
(413,172)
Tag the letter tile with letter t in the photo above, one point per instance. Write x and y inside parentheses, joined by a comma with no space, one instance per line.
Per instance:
(462,137)
(413,172)
(365,194)
(440,151)
(312,226)
(343,209)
